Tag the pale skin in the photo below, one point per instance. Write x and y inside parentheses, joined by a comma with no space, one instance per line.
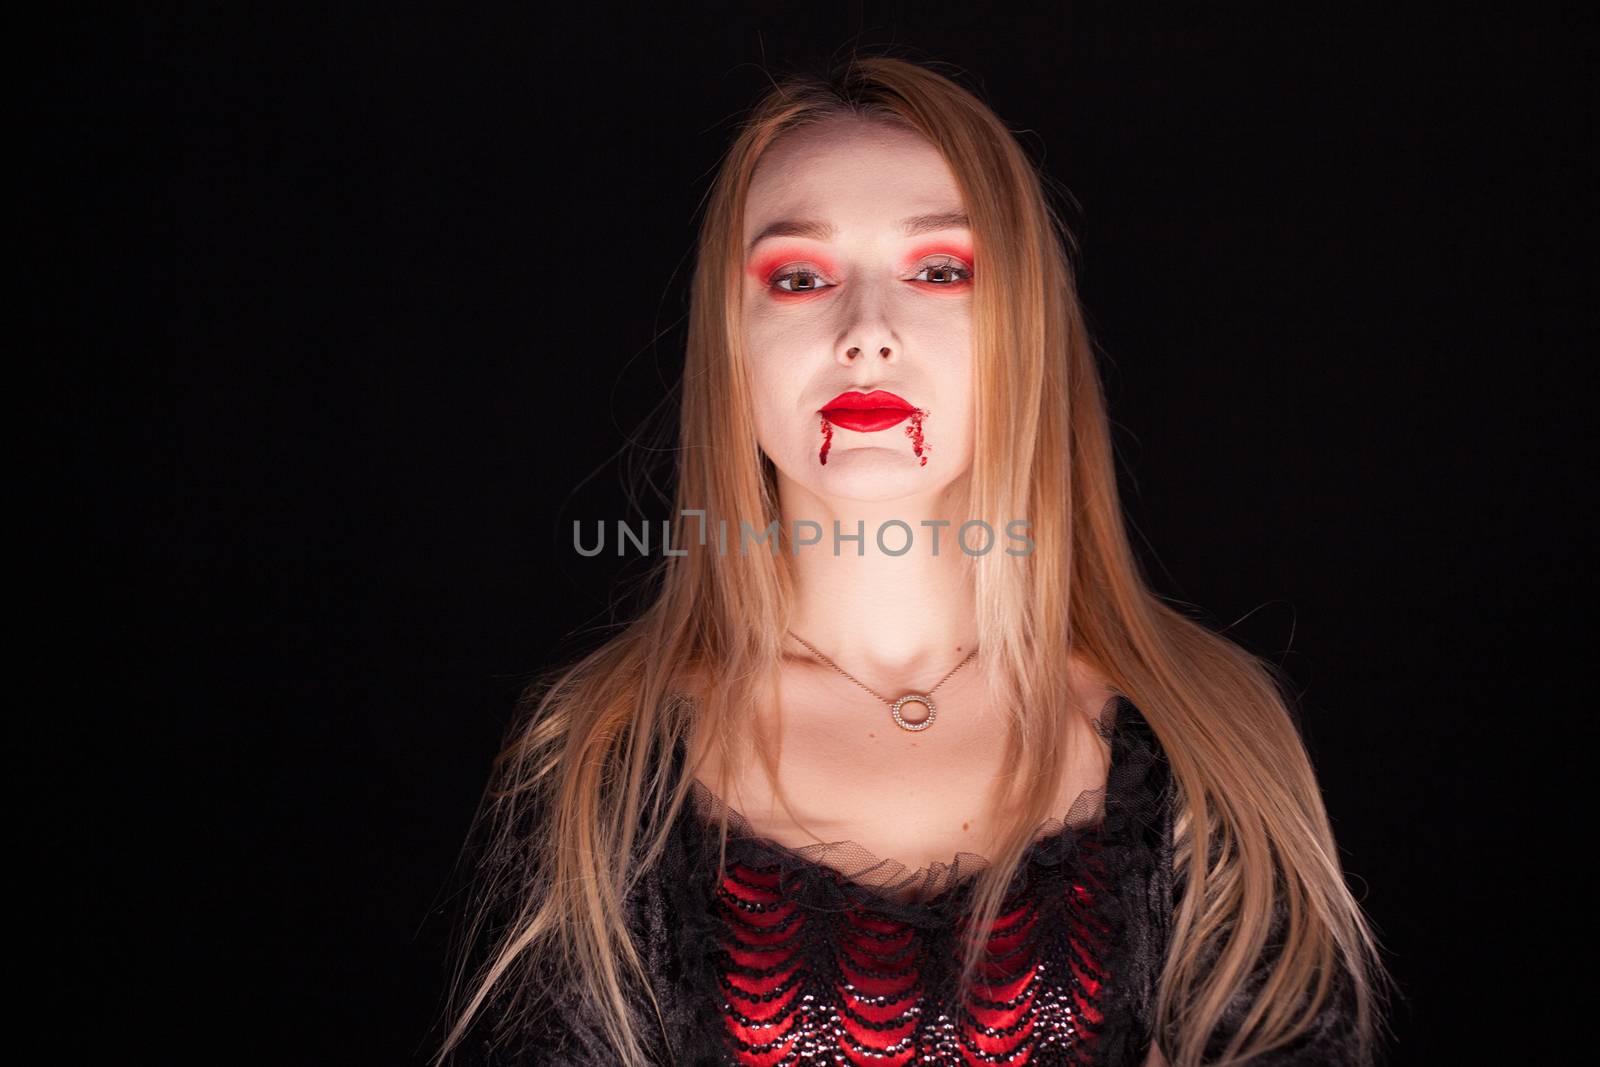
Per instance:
(866,306)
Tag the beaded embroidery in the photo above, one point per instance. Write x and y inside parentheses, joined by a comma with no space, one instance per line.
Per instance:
(855,986)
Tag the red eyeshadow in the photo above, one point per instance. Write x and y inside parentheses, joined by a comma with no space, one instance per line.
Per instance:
(762,266)
(957,249)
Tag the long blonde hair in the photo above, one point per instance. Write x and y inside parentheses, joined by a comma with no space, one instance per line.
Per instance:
(586,753)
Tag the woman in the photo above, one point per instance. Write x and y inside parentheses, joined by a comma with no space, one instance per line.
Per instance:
(1024,812)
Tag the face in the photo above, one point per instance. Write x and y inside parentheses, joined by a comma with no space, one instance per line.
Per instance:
(857,312)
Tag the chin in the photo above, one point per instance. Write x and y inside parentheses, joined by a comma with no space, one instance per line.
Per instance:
(873,475)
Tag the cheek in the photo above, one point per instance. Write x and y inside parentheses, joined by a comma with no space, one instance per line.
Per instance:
(943,338)
(777,366)
(764,350)
(947,316)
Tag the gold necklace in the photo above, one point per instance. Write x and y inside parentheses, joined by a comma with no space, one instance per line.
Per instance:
(925,699)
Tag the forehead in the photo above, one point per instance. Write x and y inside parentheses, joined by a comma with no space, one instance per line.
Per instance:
(852,172)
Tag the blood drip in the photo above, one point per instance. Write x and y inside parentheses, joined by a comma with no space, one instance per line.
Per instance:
(919,447)
(827,441)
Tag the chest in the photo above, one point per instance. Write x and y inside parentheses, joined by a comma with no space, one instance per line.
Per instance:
(846,773)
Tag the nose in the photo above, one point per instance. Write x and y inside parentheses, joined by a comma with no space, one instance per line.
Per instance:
(868,334)
(867,328)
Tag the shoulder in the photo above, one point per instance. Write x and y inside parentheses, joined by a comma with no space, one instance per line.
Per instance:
(692,681)
(1113,714)
(1140,791)
(1092,693)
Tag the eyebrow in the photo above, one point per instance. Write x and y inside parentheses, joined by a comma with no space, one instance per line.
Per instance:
(822,231)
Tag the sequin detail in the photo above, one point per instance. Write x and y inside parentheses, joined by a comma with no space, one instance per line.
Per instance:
(856,987)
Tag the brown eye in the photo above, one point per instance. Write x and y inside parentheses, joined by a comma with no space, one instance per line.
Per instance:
(803,281)
(944,274)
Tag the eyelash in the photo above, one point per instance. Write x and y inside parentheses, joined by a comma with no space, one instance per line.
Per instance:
(964,272)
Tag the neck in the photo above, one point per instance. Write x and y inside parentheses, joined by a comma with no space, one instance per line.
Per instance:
(897,621)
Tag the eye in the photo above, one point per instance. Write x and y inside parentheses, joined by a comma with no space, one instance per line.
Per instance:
(802,281)
(949,273)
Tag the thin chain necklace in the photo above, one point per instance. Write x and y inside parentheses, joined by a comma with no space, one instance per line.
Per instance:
(925,699)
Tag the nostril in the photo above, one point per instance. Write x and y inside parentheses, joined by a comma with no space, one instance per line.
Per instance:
(853,353)
(884,351)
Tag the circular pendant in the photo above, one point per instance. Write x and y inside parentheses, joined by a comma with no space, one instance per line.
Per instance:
(913,724)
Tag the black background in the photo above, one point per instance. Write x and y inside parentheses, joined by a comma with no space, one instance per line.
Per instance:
(417,276)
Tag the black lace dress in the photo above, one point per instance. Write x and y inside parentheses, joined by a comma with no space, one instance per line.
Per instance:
(826,954)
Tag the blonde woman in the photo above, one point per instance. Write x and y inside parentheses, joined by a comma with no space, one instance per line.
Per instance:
(904,763)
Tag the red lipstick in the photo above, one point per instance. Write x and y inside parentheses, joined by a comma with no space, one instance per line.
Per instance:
(867,412)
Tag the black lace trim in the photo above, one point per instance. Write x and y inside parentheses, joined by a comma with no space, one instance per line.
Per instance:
(838,873)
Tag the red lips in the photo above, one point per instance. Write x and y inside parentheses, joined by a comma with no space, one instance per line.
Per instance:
(867,412)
